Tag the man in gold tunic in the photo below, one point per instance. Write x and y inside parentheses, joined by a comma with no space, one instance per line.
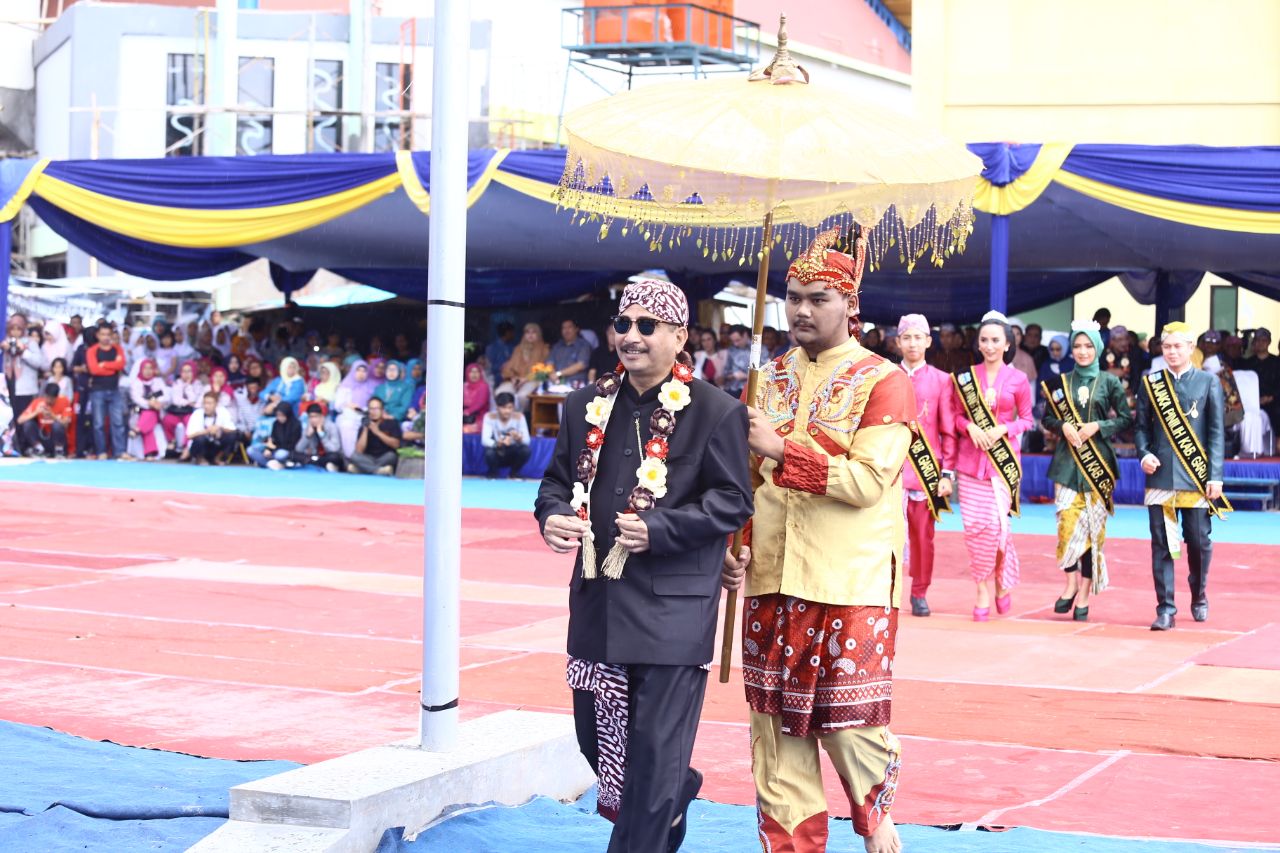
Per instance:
(830,425)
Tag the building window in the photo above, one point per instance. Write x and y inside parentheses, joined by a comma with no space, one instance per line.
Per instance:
(184,132)
(392,85)
(257,89)
(326,105)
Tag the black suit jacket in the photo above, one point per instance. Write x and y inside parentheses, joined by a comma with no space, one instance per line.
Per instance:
(1197,391)
(663,609)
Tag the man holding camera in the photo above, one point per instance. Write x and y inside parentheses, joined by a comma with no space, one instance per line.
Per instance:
(23,362)
(376,447)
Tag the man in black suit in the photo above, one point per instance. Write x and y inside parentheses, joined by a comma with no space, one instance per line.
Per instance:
(1195,404)
(650,507)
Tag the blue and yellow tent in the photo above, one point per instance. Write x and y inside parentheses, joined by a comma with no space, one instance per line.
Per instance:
(1053,220)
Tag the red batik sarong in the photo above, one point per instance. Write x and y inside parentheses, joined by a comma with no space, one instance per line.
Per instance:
(820,667)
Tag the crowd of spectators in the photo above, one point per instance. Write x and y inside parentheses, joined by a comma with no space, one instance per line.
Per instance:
(210,392)
(217,391)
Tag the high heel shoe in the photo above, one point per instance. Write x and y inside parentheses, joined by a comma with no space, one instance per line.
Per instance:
(981,614)
(1004,603)
(1081,614)
(1063,605)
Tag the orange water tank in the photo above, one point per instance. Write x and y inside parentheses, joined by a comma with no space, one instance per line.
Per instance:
(604,23)
(698,25)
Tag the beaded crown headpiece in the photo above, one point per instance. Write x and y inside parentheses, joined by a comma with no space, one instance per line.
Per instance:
(821,262)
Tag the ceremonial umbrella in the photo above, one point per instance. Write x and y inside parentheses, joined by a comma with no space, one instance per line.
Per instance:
(741,166)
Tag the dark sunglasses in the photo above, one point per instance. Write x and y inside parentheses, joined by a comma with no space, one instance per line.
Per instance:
(646,325)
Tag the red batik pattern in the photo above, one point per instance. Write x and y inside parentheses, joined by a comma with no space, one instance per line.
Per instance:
(820,667)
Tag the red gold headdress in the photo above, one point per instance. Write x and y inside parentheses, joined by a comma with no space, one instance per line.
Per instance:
(836,270)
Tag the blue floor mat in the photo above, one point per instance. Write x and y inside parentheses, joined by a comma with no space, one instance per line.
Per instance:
(59,792)
(551,827)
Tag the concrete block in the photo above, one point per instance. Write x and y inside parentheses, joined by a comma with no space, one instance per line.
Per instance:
(410,467)
(346,803)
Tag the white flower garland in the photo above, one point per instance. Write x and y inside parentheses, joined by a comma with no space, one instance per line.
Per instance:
(673,397)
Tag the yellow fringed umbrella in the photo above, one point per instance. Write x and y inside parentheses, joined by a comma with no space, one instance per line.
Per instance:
(712,161)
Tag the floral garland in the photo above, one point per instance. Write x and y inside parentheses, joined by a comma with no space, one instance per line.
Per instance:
(652,473)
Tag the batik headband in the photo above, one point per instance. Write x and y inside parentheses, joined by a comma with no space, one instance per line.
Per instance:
(660,298)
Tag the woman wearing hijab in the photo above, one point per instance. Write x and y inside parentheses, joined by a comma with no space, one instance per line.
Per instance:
(1094,394)
(289,387)
(56,344)
(220,384)
(475,399)
(417,372)
(531,350)
(286,432)
(326,389)
(184,397)
(395,391)
(352,401)
(986,497)
(150,395)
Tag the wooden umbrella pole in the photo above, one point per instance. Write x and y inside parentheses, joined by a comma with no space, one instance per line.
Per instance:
(753,380)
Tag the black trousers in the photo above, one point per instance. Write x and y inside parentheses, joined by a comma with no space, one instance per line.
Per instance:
(318,460)
(32,437)
(1196,527)
(208,447)
(665,703)
(513,456)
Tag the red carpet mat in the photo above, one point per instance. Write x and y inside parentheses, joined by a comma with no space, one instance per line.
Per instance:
(274,628)
(1258,649)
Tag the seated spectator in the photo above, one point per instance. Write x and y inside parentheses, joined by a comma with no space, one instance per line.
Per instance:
(570,355)
(289,387)
(531,350)
(737,361)
(150,396)
(249,406)
(396,391)
(708,361)
(42,427)
(352,401)
(320,445)
(278,449)
(376,447)
(604,359)
(59,375)
(166,356)
(500,350)
(475,400)
(253,369)
(505,438)
(184,399)
(219,384)
(212,433)
(326,387)
(417,373)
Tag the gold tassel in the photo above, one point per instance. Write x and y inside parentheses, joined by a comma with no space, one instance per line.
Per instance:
(615,562)
(588,557)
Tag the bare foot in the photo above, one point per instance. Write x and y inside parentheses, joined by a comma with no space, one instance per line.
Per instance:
(885,838)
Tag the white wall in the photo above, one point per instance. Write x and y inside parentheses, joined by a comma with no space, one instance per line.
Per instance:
(16,40)
(53,99)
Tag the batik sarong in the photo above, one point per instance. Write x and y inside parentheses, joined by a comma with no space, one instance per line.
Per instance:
(608,683)
(1082,526)
(819,667)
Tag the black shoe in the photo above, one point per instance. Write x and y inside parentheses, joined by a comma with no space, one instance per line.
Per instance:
(1200,612)
(692,786)
(1164,621)
(1081,614)
(1063,605)
(919,607)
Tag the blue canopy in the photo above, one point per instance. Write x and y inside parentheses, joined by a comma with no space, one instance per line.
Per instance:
(1053,220)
